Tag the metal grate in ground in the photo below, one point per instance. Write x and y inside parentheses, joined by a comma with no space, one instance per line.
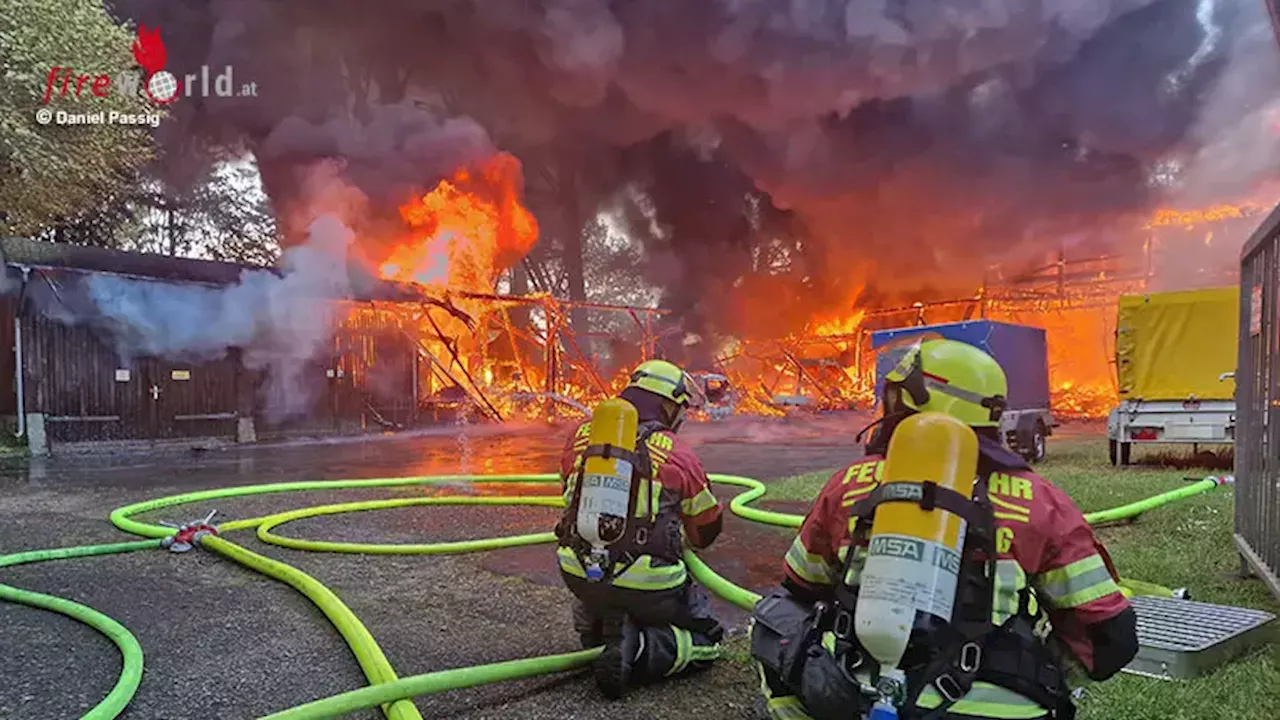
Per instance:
(1184,638)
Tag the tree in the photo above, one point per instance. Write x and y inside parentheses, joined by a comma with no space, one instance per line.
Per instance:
(50,172)
(237,217)
(221,214)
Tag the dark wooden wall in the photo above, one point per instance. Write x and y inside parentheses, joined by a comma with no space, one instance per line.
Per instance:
(88,391)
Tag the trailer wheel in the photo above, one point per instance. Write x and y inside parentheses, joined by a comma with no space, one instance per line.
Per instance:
(1119,452)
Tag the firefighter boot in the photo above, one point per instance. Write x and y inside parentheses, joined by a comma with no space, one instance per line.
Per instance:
(622,645)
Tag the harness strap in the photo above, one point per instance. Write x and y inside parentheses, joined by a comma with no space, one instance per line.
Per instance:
(927,494)
(641,462)
(608,452)
(953,671)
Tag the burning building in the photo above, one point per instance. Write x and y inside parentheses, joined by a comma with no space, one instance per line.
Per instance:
(787,178)
(395,331)
(412,330)
(1072,297)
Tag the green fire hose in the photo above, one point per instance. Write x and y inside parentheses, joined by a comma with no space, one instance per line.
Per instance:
(130,651)
(1134,509)
(386,689)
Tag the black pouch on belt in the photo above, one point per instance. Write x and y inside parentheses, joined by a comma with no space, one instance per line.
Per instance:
(826,690)
(780,628)
(786,638)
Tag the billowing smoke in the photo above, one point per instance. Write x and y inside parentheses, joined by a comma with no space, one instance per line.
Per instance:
(906,144)
(279,322)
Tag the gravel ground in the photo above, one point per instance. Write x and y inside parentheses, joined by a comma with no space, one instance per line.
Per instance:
(222,641)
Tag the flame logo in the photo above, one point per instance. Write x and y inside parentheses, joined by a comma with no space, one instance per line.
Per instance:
(148,50)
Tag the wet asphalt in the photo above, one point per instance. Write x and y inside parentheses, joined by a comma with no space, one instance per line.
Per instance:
(222,641)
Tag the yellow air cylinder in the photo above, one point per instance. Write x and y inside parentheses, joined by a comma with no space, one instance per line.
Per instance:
(913,560)
(605,496)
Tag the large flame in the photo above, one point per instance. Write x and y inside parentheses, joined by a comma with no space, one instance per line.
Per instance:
(466,231)
(1077,310)
(1081,349)
(814,348)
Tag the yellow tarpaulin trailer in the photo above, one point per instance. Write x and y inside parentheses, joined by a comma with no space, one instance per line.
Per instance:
(1176,345)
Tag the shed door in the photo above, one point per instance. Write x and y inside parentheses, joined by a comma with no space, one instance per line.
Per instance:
(189,400)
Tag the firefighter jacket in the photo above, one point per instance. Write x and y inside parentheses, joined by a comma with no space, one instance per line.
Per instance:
(676,502)
(1043,544)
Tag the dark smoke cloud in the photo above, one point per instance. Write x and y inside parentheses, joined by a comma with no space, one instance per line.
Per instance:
(905,142)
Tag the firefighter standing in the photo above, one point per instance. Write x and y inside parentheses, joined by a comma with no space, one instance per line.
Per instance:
(640,601)
(1051,593)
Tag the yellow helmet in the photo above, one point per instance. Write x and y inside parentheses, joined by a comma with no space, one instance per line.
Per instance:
(950,377)
(667,381)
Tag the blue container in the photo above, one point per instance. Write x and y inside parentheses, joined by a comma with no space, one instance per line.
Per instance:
(1019,349)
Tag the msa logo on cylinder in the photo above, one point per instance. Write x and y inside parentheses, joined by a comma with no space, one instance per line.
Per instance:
(902,491)
(909,548)
(896,546)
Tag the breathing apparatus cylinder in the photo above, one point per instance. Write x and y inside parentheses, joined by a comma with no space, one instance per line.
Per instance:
(913,560)
(605,495)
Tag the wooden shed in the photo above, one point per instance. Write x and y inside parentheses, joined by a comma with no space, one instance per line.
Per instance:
(71,378)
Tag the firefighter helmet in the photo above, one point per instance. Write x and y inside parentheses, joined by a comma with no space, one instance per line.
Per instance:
(668,382)
(951,377)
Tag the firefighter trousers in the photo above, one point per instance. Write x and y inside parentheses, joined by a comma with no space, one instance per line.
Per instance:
(678,632)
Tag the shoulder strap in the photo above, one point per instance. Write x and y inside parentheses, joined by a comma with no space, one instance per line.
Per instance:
(644,462)
(926,493)
(955,667)
(642,470)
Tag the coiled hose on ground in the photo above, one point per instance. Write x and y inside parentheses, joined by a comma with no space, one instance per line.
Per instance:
(386,689)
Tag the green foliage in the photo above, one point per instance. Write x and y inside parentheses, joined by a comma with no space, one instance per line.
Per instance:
(51,171)
(1185,544)
(218,214)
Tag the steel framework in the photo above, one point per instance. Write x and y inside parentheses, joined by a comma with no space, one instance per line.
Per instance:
(1257,463)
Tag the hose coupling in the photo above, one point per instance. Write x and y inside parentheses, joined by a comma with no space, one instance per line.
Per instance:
(189,534)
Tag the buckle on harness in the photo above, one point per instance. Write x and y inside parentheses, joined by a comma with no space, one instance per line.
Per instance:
(970,657)
(928,495)
(843,624)
(949,688)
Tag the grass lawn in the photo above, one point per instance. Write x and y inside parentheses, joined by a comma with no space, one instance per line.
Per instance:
(1186,544)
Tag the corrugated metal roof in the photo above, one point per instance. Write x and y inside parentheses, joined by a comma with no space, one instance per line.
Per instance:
(40,254)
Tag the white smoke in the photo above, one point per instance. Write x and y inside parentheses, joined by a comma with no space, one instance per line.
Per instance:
(1237,135)
(280,322)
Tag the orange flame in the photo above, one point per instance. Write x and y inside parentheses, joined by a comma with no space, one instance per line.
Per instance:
(466,231)
(472,226)
(839,324)
(148,50)
(1081,347)
(1168,217)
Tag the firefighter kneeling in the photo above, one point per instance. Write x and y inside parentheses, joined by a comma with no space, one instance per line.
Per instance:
(939,577)
(634,492)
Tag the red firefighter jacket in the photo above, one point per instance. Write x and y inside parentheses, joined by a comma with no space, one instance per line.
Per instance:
(1042,540)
